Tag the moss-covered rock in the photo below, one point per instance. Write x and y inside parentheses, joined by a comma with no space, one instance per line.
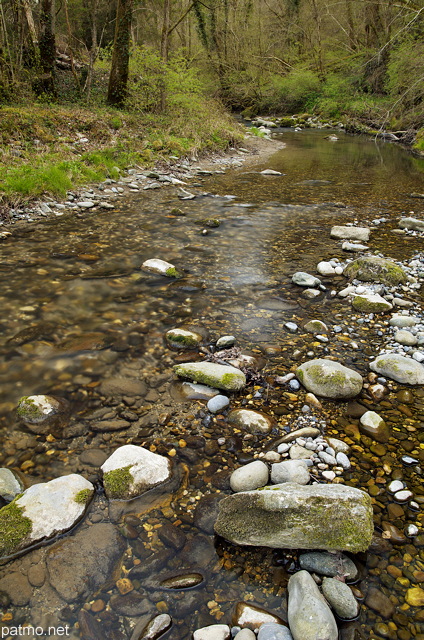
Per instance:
(181,338)
(399,368)
(43,414)
(214,375)
(163,268)
(15,528)
(329,379)
(371,303)
(375,269)
(292,516)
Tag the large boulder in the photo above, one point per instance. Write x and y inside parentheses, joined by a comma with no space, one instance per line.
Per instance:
(399,368)
(329,379)
(361,234)
(215,375)
(309,615)
(292,516)
(375,269)
(132,470)
(43,511)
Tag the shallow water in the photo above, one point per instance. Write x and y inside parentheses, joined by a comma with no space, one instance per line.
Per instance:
(75,285)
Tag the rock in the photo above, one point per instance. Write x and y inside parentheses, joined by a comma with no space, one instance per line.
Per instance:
(305,432)
(309,615)
(183,338)
(328,564)
(132,604)
(342,460)
(17,587)
(206,512)
(132,470)
(86,204)
(399,368)
(370,303)
(213,632)
(41,413)
(193,391)
(225,342)
(248,615)
(252,421)
(329,379)
(338,445)
(183,581)
(82,563)
(299,453)
(42,511)
(403,321)
(402,336)
(292,516)
(251,476)
(172,536)
(271,172)
(273,631)
(290,471)
(340,598)
(325,268)
(10,485)
(304,279)
(372,425)
(160,266)
(218,403)
(110,425)
(379,602)
(315,326)
(245,634)
(361,234)
(214,375)
(414,224)
(117,386)
(415,597)
(353,246)
(310,294)
(93,457)
(37,575)
(375,269)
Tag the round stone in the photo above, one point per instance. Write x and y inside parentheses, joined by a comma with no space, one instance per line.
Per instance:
(218,403)
(250,476)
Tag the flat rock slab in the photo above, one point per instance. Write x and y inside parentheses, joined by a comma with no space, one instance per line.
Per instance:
(43,511)
(399,368)
(292,516)
(132,470)
(214,375)
(361,234)
(329,379)
(79,565)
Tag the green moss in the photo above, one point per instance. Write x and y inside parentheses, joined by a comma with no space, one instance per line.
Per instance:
(14,528)
(209,222)
(231,381)
(117,483)
(172,273)
(365,306)
(83,496)
(177,212)
(182,340)
(376,269)
(27,408)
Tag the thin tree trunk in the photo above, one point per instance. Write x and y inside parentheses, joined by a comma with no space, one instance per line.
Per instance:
(118,79)
(93,48)
(47,46)
(164,41)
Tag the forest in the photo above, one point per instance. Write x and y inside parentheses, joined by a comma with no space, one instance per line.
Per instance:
(165,74)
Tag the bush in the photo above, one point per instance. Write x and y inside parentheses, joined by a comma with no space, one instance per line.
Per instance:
(297,91)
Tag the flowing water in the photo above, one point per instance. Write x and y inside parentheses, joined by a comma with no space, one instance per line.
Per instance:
(77,309)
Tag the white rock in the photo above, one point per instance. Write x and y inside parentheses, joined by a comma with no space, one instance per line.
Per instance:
(309,615)
(343,460)
(156,265)
(328,475)
(325,268)
(225,342)
(271,172)
(361,234)
(395,486)
(86,204)
(402,336)
(399,368)
(10,486)
(304,279)
(143,470)
(290,471)
(250,476)
(403,496)
(217,403)
(213,632)
(351,246)
(412,530)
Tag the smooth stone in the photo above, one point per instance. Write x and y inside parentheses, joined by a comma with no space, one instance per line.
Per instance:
(379,602)
(193,391)
(132,470)
(329,564)
(303,279)
(118,386)
(17,588)
(403,496)
(162,267)
(245,634)
(403,321)
(218,403)
(225,342)
(271,172)
(297,452)
(153,629)
(273,631)
(290,471)
(183,338)
(375,269)
(41,413)
(413,224)
(338,445)
(353,246)
(250,476)
(213,632)
(184,581)
(395,486)
(80,564)
(212,374)
(343,460)
(340,598)
(248,615)
(315,326)
(10,485)
(292,516)
(309,616)
(361,234)
(131,604)
(43,511)
(310,294)
(329,379)
(252,421)
(399,368)
(372,425)
(304,432)
(370,303)
(325,268)
(415,597)
(402,336)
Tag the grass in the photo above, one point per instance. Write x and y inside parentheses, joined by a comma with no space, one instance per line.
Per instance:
(41,152)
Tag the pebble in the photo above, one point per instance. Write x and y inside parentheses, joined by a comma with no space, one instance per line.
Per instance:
(343,460)
(218,403)
(395,486)
(403,496)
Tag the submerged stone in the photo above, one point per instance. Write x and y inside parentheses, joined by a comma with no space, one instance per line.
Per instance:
(155,265)
(329,379)
(413,224)
(132,470)
(292,516)
(181,338)
(215,375)
(10,484)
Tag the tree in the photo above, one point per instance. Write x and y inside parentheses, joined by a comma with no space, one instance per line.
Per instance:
(118,79)
(47,46)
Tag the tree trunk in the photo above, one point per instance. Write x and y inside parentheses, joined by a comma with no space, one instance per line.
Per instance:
(118,79)
(47,46)
(93,48)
